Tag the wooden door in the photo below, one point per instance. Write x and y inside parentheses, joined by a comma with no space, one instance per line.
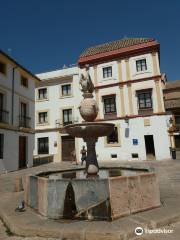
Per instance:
(68,146)
(22,152)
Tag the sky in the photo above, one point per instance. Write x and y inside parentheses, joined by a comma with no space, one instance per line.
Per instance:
(43,35)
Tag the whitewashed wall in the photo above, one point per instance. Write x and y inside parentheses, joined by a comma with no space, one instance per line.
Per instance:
(10,159)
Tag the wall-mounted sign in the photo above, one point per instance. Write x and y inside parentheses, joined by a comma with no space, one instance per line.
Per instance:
(135,141)
(126,132)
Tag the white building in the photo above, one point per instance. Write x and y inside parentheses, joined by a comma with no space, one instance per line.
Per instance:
(17,87)
(128,90)
(57,101)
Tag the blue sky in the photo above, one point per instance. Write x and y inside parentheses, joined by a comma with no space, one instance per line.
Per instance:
(44,35)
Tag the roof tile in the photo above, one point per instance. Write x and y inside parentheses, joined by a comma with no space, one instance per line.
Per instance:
(122,43)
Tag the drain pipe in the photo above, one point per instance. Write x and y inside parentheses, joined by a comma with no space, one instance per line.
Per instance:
(12,100)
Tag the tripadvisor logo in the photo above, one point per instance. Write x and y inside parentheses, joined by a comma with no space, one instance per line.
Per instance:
(139,231)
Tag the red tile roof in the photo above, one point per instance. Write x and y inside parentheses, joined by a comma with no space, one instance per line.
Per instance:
(122,43)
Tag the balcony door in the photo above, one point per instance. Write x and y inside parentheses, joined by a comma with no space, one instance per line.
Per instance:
(1,101)
(22,152)
(67,116)
(1,106)
(23,119)
(23,110)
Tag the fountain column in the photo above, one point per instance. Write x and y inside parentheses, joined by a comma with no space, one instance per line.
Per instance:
(91,159)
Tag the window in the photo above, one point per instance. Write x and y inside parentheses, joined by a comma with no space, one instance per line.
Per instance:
(42,93)
(110,104)
(113,137)
(107,72)
(145,100)
(24,120)
(141,65)
(24,81)
(1,145)
(66,90)
(177,119)
(67,116)
(43,117)
(4,115)
(1,101)
(23,109)
(2,68)
(43,145)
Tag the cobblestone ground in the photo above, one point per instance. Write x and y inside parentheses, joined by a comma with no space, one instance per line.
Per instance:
(5,235)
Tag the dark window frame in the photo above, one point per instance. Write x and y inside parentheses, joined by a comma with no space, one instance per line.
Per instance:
(1,145)
(109,104)
(45,117)
(43,145)
(107,72)
(42,93)
(24,81)
(145,100)
(66,90)
(68,116)
(141,65)
(113,138)
(3,68)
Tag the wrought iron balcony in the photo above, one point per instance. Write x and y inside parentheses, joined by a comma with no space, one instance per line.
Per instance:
(60,123)
(4,116)
(24,121)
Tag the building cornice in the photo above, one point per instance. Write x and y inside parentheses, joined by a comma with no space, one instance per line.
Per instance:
(155,78)
(16,129)
(132,116)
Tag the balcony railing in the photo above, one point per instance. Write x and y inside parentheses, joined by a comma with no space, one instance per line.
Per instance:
(24,121)
(59,122)
(4,116)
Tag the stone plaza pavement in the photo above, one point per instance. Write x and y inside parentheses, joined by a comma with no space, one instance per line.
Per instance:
(29,225)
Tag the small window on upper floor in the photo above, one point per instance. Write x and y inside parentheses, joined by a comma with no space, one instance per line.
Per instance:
(141,65)
(67,116)
(42,93)
(24,81)
(66,90)
(109,104)
(145,104)
(107,72)
(2,68)
(43,117)
(145,100)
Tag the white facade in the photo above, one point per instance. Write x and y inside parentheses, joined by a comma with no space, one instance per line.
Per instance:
(54,104)
(17,87)
(133,128)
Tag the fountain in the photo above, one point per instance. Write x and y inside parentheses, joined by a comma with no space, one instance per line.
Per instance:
(94,193)
(89,130)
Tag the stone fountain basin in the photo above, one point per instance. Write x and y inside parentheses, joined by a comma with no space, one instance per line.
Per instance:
(89,129)
(66,194)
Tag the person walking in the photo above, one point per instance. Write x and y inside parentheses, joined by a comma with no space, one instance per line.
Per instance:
(83,155)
